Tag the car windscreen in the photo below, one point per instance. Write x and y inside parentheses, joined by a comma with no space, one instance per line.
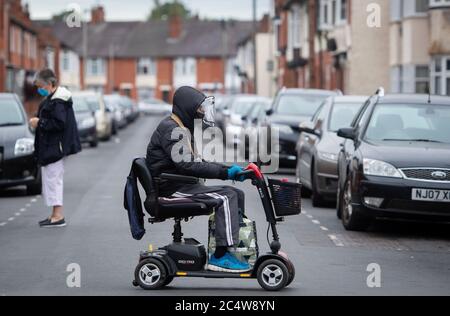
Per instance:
(409,122)
(300,105)
(10,113)
(80,105)
(93,103)
(342,115)
(243,107)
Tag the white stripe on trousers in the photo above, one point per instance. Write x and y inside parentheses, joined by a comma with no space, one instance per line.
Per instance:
(227,214)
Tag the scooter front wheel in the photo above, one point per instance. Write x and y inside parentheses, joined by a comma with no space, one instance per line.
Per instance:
(150,274)
(273,275)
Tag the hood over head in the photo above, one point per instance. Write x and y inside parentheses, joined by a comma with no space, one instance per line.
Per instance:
(186,102)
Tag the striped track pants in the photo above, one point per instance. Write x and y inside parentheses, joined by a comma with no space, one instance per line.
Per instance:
(227,200)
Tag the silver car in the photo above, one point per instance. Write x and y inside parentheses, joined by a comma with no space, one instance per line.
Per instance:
(319,146)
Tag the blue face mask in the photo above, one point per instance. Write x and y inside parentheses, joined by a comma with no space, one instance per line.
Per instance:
(43,92)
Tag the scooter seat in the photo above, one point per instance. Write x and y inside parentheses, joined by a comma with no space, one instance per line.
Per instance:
(181,208)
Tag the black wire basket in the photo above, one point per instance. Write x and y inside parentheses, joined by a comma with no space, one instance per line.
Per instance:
(286,197)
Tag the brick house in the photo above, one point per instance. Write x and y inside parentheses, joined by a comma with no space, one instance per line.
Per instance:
(420,46)
(24,48)
(153,58)
(325,44)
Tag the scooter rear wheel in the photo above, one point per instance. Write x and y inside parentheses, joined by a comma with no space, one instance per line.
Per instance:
(273,275)
(150,274)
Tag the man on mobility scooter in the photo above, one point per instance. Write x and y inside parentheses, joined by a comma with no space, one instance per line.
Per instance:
(164,157)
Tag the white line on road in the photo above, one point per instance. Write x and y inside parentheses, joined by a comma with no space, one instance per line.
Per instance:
(17,214)
(310,216)
(23,210)
(336,241)
(10,219)
(28,205)
(33,200)
(316,222)
(2,224)
(324,228)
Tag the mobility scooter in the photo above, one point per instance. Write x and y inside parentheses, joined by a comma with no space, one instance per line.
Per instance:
(188,258)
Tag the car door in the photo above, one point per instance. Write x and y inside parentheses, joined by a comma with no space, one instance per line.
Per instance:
(349,147)
(308,141)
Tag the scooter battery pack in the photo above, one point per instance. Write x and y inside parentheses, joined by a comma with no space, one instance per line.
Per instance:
(188,256)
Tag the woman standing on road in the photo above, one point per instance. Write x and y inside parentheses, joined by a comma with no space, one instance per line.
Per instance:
(56,138)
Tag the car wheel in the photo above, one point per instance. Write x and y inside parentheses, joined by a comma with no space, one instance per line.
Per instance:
(36,187)
(94,143)
(352,219)
(316,198)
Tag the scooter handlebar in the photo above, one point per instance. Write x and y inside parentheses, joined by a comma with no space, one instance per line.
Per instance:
(247,174)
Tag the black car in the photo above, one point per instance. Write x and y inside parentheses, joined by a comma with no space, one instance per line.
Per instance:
(395,162)
(291,108)
(17,163)
(86,122)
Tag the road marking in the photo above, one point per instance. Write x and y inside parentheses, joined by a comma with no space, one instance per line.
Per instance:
(10,219)
(28,205)
(324,228)
(336,241)
(310,216)
(117,140)
(316,222)
(33,200)
(23,210)
(17,214)
(2,224)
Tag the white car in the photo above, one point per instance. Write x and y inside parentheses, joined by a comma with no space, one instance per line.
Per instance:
(154,107)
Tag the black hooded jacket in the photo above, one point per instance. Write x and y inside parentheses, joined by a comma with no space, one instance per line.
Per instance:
(186,102)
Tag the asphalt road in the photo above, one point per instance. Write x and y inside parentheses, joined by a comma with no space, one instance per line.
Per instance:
(414,258)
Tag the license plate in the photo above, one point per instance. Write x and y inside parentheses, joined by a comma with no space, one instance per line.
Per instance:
(431,195)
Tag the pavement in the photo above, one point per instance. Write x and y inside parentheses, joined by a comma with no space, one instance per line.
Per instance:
(413,258)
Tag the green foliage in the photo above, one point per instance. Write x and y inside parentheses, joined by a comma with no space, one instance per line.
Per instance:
(162,11)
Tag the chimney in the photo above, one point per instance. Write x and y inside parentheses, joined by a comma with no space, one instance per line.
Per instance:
(97,14)
(264,24)
(175,26)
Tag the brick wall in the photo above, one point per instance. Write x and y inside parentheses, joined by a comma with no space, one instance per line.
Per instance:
(122,71)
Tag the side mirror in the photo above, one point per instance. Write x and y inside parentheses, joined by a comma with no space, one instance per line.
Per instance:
(269,112)
(307,127)
(245,118)
(347,133)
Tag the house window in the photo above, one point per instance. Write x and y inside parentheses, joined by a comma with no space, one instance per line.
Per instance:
(440,75)
(65,61)
(294,27)
(185,67)
(332,13)
(146,66)
(421,6)
(422,79)
(439,3)
(95,67)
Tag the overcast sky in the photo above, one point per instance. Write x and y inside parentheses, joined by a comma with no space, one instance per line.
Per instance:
(139,9)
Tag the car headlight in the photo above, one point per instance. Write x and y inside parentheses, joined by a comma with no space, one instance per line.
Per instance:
(285,129)
(328,156)
(88,123)
(380,168)
(24,146)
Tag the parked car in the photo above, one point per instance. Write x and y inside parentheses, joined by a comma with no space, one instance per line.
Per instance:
(103,116)
(395,162)
(154,107)
(253,122)
(87,124)
(290,109)
(113,104)
(240,108)
(17,163)
(223,104)
(131,108)
(319,146)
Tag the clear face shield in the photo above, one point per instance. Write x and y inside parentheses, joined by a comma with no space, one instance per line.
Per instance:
(207,111)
